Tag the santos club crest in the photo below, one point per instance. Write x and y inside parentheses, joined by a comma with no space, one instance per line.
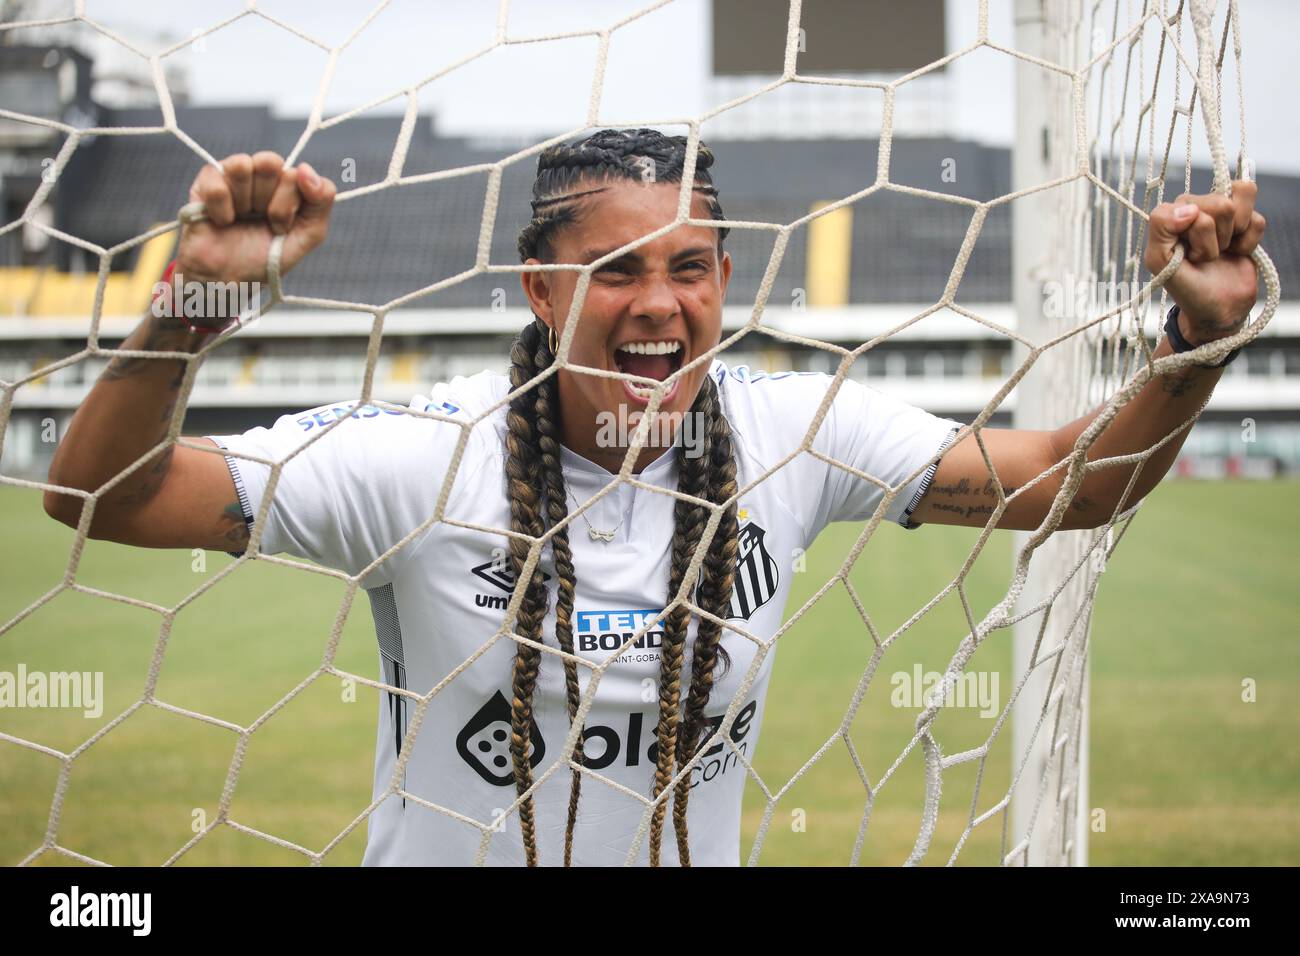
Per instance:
(756,574)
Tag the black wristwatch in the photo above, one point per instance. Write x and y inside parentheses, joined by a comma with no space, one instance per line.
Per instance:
(1181,344)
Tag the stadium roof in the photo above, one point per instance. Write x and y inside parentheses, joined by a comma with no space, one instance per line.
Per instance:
(395,240)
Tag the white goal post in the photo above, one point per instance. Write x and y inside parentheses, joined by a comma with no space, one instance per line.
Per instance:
(1096,125)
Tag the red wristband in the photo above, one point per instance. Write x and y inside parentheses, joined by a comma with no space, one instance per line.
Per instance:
(166,280)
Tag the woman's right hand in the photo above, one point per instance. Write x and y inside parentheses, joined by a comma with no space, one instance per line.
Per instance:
(248,202)
(186,497)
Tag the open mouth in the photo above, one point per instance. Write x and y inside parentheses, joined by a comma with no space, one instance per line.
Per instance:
(656,359)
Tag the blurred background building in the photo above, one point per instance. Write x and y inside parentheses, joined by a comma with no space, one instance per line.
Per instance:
(844,279)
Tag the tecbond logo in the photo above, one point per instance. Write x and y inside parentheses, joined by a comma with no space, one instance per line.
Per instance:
(484,743)
(610,630)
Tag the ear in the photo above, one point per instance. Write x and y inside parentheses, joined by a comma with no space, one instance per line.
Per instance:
(538,288)
(725,272)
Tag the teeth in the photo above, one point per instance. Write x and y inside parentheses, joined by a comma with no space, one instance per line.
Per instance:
(648,348)
(651,348)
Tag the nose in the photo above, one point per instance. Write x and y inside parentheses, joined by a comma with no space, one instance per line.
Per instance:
(655,299)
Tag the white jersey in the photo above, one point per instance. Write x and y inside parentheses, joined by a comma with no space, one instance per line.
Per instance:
(350,496)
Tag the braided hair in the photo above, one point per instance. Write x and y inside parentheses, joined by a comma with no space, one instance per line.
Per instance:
(536,490)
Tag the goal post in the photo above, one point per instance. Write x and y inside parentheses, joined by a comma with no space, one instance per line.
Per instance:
(1135,87)
(1043,152)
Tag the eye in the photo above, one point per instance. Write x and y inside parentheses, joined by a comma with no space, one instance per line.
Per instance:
(696,265)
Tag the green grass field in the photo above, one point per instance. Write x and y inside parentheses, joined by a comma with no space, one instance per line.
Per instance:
(1200,596)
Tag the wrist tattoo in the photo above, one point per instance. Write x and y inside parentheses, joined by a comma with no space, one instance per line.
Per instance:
(1176,384)
(161,335)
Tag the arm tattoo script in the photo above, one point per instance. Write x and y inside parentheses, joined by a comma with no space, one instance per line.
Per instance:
(964,490)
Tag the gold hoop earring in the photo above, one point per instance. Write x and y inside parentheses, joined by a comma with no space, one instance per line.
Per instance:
(554,341)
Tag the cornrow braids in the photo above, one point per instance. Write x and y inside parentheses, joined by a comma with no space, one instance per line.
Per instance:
(538,498)
(639,155)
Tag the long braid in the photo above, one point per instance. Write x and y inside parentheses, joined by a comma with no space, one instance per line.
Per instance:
(566,173)
(714,596)
(547,408)
(522,463)
(688,529)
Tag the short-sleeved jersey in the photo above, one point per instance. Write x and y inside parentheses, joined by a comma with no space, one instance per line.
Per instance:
(346,495)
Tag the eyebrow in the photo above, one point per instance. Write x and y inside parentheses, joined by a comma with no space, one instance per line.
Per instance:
(634,256)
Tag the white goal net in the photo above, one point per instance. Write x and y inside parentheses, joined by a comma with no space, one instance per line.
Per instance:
(1125,91)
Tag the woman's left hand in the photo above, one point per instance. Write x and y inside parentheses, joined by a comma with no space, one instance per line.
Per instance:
(1215,286)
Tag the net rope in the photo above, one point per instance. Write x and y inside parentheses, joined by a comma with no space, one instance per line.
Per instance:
(1105,212)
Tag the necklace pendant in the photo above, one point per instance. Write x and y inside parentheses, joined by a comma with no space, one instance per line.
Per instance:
(606,536)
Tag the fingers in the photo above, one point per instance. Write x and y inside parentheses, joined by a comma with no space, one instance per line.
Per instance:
(253,181)
(1209,225)
(285,201)
(1244,192)
(317,193)
(239,174)
(317,203)
(1204,235)
(211,188)
(1168,222)
(1217,213)
(1245,242)
(261,185)
(266,175)
(246,196)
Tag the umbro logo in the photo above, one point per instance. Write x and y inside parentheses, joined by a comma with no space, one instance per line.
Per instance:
(498,573)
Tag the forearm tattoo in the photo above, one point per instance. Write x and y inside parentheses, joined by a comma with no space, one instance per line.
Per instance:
(163,335)
(957,498)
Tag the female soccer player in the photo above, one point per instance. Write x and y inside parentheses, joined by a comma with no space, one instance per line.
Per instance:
(347,496)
